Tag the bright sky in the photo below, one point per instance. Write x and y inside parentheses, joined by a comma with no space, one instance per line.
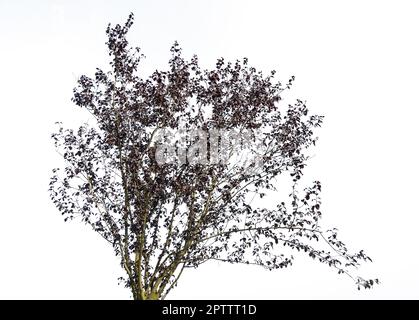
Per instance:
(356,63)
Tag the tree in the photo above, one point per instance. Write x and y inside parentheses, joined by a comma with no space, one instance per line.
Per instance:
(168,173)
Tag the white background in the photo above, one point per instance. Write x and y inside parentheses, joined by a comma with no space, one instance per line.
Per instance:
(356,62)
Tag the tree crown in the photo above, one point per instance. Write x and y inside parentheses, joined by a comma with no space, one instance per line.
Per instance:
(168,173)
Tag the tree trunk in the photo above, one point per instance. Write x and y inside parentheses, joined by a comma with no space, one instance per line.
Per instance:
(152,296)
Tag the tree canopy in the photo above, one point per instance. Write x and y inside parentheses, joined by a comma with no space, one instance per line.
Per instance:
(168,172)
